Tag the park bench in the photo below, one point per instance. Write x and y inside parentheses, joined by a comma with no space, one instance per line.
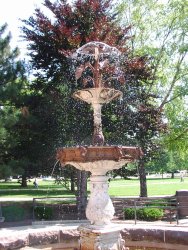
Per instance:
(168,204)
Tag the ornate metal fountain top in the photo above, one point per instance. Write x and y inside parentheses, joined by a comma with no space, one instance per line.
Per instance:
(98,56)
(104,49)
(99,60)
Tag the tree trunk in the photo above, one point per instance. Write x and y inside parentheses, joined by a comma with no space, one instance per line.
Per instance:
(72,179)
(24,181)
(172,176)
(81,193)
(143,182)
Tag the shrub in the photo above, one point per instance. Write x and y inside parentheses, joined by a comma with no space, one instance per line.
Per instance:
(129,213)
(157,203)
(43,213)
(13,213)
(150,214)
(147,214)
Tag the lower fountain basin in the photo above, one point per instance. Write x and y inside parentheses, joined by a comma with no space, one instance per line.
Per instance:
(60,235)
(98,160)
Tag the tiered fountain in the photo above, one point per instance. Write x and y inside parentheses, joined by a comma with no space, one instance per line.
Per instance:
(98,159)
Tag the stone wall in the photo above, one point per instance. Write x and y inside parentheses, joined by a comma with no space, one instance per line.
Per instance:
(67,237)
(152,237)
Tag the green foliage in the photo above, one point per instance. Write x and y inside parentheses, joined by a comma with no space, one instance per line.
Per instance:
(43,213)
(145,214)
(13,213)
(150,214)
(129,213)
(124,172)
(5,171)
(159,29)
(24,149)
(177,140)
(12,83)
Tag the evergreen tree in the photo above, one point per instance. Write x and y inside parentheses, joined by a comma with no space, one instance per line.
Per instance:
(22,122)
(12,77)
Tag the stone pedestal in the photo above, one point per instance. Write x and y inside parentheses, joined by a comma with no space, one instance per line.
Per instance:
(101,234)
(99,209)
(106,238)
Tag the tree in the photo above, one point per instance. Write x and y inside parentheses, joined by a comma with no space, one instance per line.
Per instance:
(177,138)
(125,172)
(12,78)
(180,163)
(160,30)
(23,122)
(159,164)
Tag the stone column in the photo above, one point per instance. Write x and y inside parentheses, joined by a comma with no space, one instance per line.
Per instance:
(100,209)
(98,138)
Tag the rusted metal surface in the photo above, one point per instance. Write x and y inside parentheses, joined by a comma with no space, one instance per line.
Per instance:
(92,153)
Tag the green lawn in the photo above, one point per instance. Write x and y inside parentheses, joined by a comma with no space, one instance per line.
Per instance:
(45,189)
(117,187)
(156,187)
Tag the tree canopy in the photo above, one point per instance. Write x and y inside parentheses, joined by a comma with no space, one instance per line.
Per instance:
(159,29)
(12,79)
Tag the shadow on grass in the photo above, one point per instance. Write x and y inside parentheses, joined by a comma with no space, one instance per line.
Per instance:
(36,192)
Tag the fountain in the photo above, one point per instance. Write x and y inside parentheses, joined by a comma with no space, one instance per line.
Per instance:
(98,158)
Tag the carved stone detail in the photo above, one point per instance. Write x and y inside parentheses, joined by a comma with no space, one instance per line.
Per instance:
(100,209)
(101,239)
(97,167)
(98,138)
(83,151)
(98,160)
(97,95)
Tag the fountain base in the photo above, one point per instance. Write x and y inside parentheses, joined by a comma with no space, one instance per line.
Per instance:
(101,234)
(99,209)
(101,238)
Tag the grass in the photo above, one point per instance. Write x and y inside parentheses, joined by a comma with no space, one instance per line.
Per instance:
(46,189)
(35,193)
(118,187)
(156,187)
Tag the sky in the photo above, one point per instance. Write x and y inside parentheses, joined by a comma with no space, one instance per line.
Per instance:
(11,11)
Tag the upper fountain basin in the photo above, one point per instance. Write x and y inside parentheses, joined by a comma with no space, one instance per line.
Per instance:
(104,49)
(97,95)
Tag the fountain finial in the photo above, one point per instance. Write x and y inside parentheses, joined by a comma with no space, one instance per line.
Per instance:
(98,56)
